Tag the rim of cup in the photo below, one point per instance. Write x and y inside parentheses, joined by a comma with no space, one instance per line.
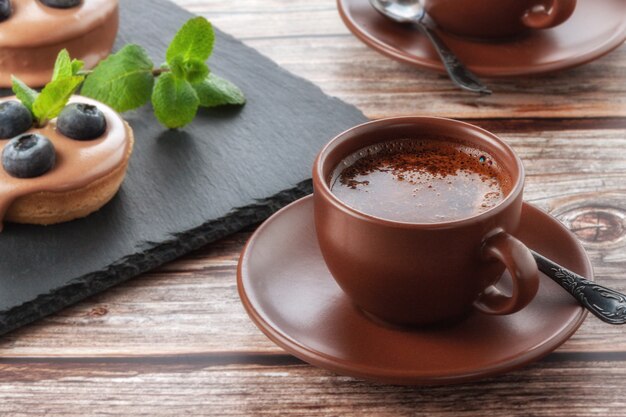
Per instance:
(475,136)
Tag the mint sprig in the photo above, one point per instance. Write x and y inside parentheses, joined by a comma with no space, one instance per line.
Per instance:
(48,104)
(216,91)
(24,93)
(128,80)
(66,67)
(124,80)
(174,100)
(193,41)
(53,98)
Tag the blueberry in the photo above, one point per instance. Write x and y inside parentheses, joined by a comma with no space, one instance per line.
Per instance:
(28,156)
(15,119)
(5,10)
(61,4)
(81,121)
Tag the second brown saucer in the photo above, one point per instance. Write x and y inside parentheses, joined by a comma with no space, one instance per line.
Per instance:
(595,28)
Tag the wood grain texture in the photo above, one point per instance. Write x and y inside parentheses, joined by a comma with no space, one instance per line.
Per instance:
(191,305)
(177,341)
(555,389)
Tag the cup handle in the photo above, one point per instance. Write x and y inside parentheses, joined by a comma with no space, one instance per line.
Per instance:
(548,13)
(523,269)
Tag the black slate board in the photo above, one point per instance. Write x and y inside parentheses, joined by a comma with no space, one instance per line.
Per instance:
(229,169)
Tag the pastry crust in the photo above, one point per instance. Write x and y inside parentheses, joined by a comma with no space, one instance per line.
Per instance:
(45,208)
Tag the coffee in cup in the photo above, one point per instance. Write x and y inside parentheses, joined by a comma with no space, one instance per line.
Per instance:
(497,18)
(420,180)
(416,216)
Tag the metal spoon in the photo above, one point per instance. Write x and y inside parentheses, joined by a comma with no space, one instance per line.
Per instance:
(606,304)
(411,11)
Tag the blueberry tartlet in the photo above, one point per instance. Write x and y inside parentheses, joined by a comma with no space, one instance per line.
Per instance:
(65,170)
(32,32)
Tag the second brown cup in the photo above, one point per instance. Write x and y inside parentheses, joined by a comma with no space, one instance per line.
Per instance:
(498,18)
(424,273)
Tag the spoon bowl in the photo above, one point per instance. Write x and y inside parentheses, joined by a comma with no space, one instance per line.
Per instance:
(412,12)
(402,11)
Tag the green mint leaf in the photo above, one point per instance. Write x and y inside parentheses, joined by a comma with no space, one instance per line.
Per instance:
(194,40)
(77,65)
(177,67)
(54,97)
(24,93)
(192,70)
(175,101)
(216,91)
(62,66)
(124,80)
(195,70)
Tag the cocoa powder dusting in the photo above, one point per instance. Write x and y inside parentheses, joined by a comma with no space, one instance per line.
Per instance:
(436,158)
(421,181)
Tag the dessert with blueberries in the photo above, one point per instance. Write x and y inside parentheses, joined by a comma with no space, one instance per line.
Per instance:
(32,32)
(65,169)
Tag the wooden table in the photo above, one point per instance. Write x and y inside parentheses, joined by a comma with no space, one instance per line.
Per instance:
(178,342)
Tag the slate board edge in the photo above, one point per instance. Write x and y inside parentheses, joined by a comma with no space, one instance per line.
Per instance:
(158,254)
(182,243)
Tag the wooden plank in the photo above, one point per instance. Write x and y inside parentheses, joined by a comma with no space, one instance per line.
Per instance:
(177,341)
(556,389)
(310,40)
(191,306)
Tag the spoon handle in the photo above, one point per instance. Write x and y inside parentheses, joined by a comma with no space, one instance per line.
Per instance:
(458,73)
(606,304)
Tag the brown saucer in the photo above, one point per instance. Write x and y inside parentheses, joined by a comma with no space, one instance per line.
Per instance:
(595,28)
(290,295)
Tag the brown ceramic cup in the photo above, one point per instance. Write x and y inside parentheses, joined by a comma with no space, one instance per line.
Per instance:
(424,273)
(497,18)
